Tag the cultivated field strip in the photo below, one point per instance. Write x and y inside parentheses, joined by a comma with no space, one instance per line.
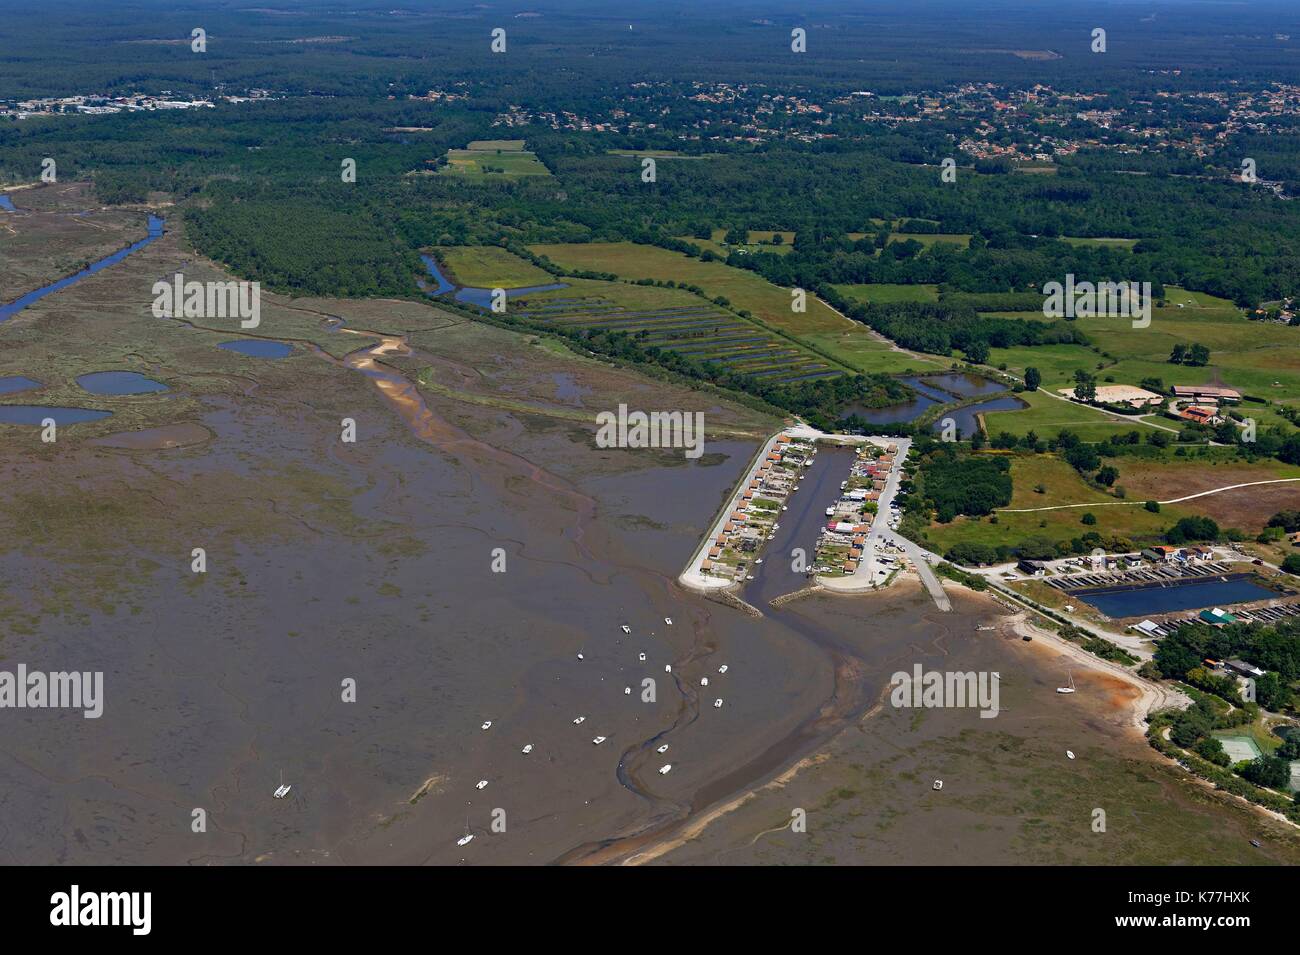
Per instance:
(702,333)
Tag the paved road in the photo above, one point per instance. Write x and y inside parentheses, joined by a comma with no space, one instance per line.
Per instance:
(919,558)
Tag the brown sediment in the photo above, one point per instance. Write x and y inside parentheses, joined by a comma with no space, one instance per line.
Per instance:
(847,704)
(1126,694)
(406,399)
(180,435)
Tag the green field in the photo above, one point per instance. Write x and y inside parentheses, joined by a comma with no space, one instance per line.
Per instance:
(884,294)
(487,266)
(1046,416)
(866,353)
(928,239)
(1062,485)
(745,290)
(757,241)
(486,158)
(846,341)
(677,320)
(1256,358)
(1102,241)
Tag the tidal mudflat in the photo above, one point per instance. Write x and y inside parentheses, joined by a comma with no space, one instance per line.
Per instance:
(448,568)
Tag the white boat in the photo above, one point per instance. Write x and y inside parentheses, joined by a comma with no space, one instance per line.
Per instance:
(626,628)
(641,657)
(776,527)
(467,837)
(481,784)
(665,769)
(830,512)
(668,668)
(784,508)
(528,748)
(487,725)
(662,749)
(1069,753)
(758,560)
(750,577)
(627,691)
(598,740)
(282,790)
(704,681)
(938,784)
(668,620)
(723,668)
(1067,689)
(580,656)
(578,720)
(717,704)
(843,485)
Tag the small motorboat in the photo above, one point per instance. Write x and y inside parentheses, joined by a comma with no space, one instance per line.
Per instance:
(938,784)
(665,769)
(662,749)
(528,748)
(668,668)
(627,691)
(1069,753)
(830,512)
(578,720)
(717,704)
(704,681)
(626,628)
(758,560)
(1256,843)
(481,784)
(580,656)
(723,668)
(598,740)
(784,507)
(668,620)
(487,725)
(641,657)
(282,790)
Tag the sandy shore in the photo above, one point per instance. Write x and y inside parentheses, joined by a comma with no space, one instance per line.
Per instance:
(1151,696)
